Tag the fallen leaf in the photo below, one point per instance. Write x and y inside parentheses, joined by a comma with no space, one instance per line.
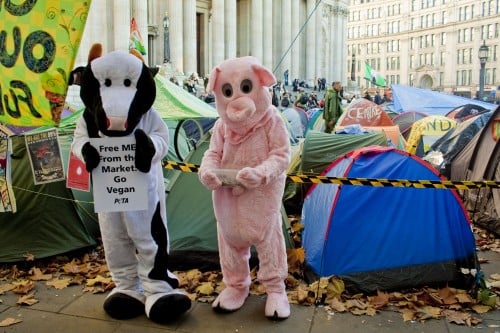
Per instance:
(59,283)
(29,257)
(369,311)
(27,299)
(99,279)
(379,301)
(460,318)
(205,288)
(478,308)
(495,276)
(23,286)
(9,321)
(463,298)
(295,258)
(408,314)
(337,305)
(356,303)
(302,294)
(428,312)
(447,295)
(74,267)
(335,288)
(6,287)
(193,275)
(37,275)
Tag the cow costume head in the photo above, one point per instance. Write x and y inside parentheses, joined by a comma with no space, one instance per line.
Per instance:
(115,96)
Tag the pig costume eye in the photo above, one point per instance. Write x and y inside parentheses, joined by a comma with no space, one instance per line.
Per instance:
(227,90)
(246,86)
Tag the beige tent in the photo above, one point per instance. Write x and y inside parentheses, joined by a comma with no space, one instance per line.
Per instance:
(478,161)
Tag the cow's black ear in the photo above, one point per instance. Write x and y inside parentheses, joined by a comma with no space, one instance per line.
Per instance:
(154,70)
(76,75)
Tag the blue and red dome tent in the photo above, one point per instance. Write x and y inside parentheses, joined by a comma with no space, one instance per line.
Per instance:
(387,238)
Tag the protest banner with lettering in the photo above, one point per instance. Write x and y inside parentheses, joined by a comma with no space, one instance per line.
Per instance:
(38,46)
(117,184)
(45,156)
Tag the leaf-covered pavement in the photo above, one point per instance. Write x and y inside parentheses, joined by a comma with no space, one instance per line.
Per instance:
(89,271)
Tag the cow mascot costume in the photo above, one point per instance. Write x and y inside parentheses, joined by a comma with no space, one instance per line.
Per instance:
(250,141)
(118,91)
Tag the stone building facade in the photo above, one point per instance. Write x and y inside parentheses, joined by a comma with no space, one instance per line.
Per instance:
(307,37)
(432,44)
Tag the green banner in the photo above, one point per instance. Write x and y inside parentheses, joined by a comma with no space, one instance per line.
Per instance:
(374,77)
(39,40)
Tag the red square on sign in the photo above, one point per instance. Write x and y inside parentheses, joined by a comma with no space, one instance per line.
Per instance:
(78,177)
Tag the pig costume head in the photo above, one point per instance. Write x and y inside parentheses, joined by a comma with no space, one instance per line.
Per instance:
(241,93)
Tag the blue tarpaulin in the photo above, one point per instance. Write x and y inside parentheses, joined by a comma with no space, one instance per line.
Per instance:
(430,102)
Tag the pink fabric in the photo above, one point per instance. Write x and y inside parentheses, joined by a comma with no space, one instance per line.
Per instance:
(250,136)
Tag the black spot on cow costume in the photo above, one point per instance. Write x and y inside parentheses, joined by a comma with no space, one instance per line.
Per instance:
(118,91)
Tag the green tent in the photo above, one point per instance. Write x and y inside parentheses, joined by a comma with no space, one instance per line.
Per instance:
(175,103)
(191,219)
(50,219)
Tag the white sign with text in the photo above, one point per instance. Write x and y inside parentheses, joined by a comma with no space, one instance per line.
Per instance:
(118,185)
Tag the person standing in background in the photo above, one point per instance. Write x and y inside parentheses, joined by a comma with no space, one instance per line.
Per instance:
(333,106)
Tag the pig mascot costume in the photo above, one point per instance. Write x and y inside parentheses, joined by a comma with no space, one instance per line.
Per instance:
(251,138)
(118,91)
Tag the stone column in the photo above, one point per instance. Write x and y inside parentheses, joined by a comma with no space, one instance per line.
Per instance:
(256,35)
(310,41)
(286,39)
(93,32)
(190,54)
(319,71)
(267,43)
(295,51)
(176,34)
(120,24)
(230,28)
(218,43)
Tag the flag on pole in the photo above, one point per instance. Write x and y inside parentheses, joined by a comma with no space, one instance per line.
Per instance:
(373,76)
(135,38)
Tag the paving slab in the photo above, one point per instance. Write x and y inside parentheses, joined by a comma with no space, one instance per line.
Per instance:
(36,321)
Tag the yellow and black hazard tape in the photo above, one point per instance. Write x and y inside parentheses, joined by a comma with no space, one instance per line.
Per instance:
(315,179)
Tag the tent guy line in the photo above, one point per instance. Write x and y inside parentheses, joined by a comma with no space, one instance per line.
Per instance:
(381,182)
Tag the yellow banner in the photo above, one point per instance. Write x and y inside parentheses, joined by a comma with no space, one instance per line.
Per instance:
(39,41)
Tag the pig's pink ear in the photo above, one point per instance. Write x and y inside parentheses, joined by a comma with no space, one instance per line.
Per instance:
(213,79)
(266,78)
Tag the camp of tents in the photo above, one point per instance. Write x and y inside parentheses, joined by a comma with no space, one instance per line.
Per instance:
(345,231)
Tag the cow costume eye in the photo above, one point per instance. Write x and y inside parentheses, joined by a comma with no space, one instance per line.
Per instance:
(107,82)
(227,90)
(127,82)
(246,86)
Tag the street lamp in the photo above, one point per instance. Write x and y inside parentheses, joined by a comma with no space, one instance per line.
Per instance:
(353,67)
(483,57)
(166,39)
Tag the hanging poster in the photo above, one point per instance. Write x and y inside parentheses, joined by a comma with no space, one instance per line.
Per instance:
(45,156)
(78,177)
(7,200)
